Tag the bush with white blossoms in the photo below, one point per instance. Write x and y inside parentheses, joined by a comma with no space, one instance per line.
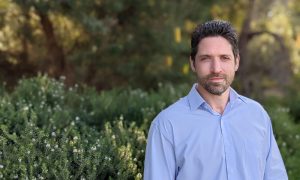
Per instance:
(48,131)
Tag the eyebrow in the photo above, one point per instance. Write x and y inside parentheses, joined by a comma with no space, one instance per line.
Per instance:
(207,55)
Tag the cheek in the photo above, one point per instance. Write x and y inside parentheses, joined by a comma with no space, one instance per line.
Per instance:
(202,70)
(230,68)
(202,67)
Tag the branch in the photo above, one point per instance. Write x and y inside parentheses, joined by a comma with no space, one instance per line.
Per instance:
(277,37)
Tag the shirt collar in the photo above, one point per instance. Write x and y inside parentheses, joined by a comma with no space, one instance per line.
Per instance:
(196,100)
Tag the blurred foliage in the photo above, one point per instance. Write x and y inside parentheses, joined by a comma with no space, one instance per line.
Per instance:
(110,44)
(103,43)
(293,99)
(50,131)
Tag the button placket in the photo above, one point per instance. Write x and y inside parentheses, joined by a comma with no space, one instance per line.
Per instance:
(227,147)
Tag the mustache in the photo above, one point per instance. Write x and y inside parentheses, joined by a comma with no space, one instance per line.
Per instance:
(216,76)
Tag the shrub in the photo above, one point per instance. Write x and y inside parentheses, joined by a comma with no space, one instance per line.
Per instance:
(49,131)
(287,134)
(45,134)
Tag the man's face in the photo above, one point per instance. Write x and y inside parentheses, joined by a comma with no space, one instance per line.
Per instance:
(214,65)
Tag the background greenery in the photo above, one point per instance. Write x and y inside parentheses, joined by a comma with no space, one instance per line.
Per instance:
(113,65)
(107,44)
(49,131)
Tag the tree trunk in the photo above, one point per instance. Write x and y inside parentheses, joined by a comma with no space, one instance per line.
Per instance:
(243,41)
(55,55)
(279,69)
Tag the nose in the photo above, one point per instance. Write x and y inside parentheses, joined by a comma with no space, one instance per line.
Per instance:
(216,66)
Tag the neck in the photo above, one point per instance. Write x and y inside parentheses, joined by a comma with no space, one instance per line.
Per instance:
(217,102)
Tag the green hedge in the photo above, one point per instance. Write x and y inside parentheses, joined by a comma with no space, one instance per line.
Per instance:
(49,131)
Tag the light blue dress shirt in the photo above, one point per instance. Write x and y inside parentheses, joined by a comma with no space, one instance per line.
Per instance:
(190,141)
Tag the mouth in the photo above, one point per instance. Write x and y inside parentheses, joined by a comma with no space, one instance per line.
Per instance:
(216,79)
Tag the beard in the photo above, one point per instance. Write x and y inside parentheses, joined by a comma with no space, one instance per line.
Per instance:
(215,88)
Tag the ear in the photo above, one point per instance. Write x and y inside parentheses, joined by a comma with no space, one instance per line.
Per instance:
(237,63)
(192,64)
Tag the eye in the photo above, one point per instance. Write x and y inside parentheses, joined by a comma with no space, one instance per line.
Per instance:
(225,58)
(204,58)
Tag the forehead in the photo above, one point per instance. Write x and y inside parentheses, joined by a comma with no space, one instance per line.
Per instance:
(214,45)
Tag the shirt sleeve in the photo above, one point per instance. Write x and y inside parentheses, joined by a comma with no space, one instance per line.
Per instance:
(275,168)
(160,158)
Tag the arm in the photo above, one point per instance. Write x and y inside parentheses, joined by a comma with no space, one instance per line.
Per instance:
(274,169)
(160,158)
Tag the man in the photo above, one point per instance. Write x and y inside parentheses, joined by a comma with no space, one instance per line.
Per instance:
(213,133)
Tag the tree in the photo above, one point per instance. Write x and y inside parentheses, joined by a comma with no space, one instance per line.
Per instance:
(267,64)
(104,43)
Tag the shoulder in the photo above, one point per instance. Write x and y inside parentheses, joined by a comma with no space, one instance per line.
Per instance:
(179,107)
(254,108)
(164,121)
(250,103)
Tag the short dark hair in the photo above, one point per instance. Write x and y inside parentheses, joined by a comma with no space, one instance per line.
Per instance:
(211,29)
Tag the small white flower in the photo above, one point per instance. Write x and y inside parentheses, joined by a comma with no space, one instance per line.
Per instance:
(113,137)
(48,145)
(75,150)
(94,148)
(33,140)
(1,166)
(75,138)
(56,146)
(53,134)
(52,150)
(26,108)
(72,123)
(139,175)
(19,159)
(77,118)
